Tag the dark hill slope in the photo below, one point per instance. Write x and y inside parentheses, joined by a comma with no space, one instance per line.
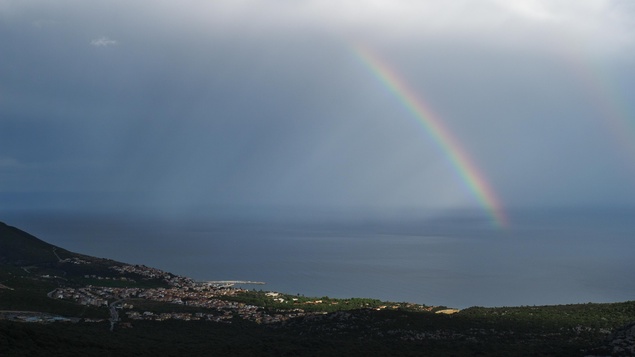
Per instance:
(23,251)
(20,248)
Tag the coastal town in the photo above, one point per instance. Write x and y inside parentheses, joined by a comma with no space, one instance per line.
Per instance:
(54,296)
(181,291)
(136,292)
(192,295)
(213,299)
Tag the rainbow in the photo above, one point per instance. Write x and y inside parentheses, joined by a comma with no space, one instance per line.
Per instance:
(433,125)
(606,98)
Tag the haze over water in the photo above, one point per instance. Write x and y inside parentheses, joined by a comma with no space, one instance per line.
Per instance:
(546,257)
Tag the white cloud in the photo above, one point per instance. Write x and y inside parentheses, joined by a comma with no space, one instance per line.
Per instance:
(103,42)
(601,24)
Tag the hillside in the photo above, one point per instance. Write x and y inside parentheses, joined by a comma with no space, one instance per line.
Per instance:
(85,305)
(20,248)
(30,269)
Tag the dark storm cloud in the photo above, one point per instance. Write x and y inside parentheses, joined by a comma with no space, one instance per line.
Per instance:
(265,103)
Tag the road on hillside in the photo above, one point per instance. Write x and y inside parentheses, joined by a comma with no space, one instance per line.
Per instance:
(114,315)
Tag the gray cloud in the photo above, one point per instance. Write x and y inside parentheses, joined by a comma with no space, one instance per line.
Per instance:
(266,104)
(103,42)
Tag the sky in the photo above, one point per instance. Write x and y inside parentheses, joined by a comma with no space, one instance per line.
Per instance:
(314,106)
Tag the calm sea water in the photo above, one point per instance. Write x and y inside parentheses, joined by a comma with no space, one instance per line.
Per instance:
(554,257)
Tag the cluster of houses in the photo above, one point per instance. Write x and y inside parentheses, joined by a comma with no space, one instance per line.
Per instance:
(74,260)
(196,296)
(246,312)
(28,316)
(151,316)
(153,273)
(92,295)
(182,291)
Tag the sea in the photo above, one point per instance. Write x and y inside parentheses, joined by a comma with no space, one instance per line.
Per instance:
(543,257)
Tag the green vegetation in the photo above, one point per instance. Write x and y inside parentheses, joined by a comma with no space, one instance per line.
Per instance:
(26,293)
(289,302)
(593,316)
(164,307)
(36,300)
(352,333)
(140,283)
